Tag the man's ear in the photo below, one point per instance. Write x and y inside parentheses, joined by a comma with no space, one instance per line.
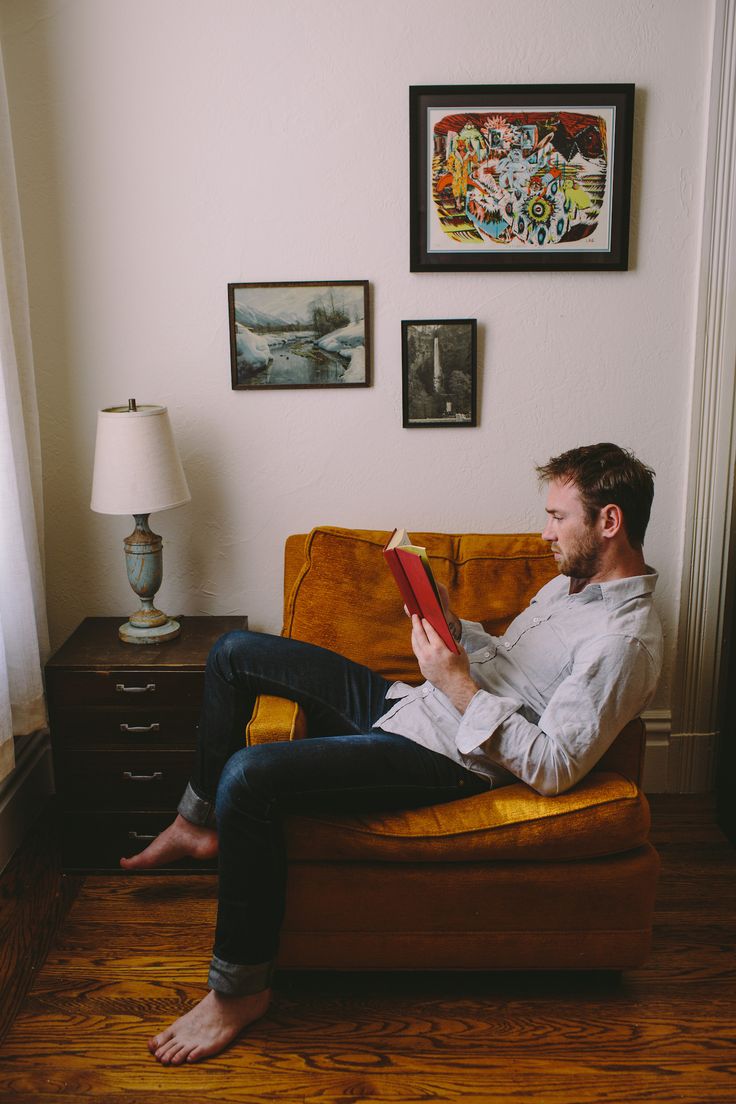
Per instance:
(611,520)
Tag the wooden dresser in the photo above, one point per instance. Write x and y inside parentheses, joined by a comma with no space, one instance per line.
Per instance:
(123,727)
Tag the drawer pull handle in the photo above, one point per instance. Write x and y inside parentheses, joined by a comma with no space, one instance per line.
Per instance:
(130,777)
(140,728)
(138,836)
(135,689)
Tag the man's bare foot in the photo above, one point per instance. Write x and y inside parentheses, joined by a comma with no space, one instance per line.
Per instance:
(208,1028)
(180,840)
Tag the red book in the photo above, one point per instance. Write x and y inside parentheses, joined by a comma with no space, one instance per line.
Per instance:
(415,580)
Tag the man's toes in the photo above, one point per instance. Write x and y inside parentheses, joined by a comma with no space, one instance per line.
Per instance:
(157,1041)
(164,1052)
(165,1056)
(197,1053)
(178,1054)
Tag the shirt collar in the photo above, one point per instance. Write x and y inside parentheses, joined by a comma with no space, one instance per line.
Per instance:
(618,591)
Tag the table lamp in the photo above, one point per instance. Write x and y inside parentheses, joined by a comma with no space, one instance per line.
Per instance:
(137,471)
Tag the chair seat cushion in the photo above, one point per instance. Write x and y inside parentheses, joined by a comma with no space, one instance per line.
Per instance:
(605,814)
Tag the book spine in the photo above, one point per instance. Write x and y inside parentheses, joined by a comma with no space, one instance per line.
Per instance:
(407,593)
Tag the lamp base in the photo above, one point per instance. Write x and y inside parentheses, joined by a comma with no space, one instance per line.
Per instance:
(155,634)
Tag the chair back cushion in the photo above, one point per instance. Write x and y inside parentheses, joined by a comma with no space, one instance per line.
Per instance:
(339,592)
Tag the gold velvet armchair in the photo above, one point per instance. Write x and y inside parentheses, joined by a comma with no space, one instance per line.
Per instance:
(505,880)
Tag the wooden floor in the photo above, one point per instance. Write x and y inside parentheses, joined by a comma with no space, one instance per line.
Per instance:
(91,967)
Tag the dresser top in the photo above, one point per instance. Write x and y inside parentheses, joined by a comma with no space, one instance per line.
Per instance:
(95,645)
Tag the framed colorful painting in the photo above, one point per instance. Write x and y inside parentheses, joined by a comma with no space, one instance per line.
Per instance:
(306,334)
(520,176)
(439,376)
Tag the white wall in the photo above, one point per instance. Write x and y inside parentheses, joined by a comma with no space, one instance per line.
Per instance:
(167,147)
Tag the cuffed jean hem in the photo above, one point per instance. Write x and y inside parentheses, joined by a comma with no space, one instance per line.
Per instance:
(196,809)
(239,981)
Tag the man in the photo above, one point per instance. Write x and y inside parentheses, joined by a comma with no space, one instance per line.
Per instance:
(541,703)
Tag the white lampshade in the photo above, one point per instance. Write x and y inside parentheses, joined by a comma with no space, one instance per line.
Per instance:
(137,468)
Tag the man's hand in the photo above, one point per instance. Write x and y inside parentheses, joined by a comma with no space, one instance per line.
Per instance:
(448,671)
(453,621)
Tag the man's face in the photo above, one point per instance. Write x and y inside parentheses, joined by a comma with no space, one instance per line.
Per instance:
(575,543)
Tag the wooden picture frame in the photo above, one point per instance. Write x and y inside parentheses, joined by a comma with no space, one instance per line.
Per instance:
(299,334)
(439,372)
(521,177)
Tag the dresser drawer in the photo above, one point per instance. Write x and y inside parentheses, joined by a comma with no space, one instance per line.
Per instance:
(128,779)
(136,690)
(97,841)
(125,728)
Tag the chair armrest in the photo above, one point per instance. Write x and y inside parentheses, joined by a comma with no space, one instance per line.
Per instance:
(275,719)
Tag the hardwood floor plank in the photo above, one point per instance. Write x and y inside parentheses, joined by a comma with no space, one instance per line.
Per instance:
(191,969)
(148,901)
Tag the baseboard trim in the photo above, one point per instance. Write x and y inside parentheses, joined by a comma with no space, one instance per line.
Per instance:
(677,762)
(658,723)
(25,793)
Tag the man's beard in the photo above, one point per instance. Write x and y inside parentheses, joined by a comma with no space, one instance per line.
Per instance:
(583,559)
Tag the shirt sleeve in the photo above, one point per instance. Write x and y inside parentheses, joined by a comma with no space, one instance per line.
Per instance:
(611,681)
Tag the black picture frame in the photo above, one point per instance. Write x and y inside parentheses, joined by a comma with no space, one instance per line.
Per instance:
(288,334)
(439,372)
(520,177)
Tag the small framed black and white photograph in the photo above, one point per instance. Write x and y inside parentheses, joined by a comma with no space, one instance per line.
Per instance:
(439,372)
(299,334)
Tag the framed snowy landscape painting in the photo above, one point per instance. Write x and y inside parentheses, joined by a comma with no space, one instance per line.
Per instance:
(299,335)
(520,176)
(439,373)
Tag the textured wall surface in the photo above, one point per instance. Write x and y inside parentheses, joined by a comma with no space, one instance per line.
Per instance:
(167,147)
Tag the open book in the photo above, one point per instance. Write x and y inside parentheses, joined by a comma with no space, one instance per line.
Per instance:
(415,580)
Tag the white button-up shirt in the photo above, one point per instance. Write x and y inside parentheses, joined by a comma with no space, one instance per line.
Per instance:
(554,691)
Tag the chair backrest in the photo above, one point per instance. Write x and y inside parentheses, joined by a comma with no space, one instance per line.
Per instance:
(340,594)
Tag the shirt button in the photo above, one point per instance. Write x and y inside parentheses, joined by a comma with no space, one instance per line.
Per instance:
(486,655)
(535,621)
(506,645)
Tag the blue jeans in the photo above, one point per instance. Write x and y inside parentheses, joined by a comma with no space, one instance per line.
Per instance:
(346,766)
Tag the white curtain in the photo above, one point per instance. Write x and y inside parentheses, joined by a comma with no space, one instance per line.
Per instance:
(23,628)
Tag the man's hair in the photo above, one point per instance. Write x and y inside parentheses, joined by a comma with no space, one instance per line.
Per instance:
(605,474)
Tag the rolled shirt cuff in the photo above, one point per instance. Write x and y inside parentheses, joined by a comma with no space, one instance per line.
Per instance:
(485,713)
(239,981)
(196,809)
